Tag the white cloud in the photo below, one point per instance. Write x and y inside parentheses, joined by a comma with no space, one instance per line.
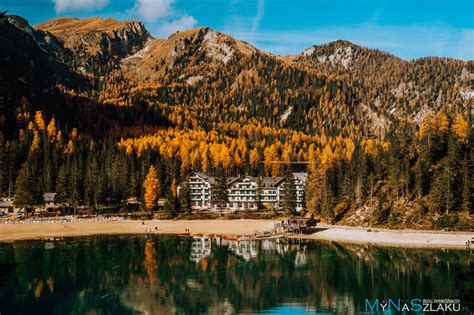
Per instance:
(259,16)
(153,10)
(183,23)
(74,5)
(162,17)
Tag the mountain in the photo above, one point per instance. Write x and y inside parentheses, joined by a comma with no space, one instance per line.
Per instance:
(97,44)
(396,88)
(26,74)
(339,87)
(47,72)
(193,51)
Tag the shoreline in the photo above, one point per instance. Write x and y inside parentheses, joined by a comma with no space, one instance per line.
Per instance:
(241,227)
(406,238)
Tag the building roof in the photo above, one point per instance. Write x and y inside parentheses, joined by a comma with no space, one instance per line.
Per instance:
(231,180)
(303,177)
(271,182)
(49,197)
(206,177)
(267,182)
(6,203)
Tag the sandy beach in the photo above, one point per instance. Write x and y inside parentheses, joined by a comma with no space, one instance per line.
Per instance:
(392,238)
(384,237)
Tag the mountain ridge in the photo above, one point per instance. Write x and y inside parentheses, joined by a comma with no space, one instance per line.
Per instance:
(369,88)
(42,25)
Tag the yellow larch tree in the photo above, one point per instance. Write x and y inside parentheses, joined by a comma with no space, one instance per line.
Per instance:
(460,128)
(152,189)
(39,120)
(69,148)
(35,143)
(254,158)
(174,188)
(51,129)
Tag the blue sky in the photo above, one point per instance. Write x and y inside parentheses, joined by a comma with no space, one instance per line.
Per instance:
(406,28)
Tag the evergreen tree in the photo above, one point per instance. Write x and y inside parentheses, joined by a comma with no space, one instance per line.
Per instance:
(27,193)
(185,195)
(289,194)
(437,194)
(62,185)
(466,192)
(328,201)
(101,188)
(75,184)
(119,178)
(48,171)
(422,168)
(452,185)
(219,194)
(171,206)
(315,190)
(91,181)
(258,194)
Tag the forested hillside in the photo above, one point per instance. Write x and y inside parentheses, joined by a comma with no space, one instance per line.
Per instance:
(395,88)
(88,105)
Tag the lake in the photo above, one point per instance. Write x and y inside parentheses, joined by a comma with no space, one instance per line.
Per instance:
(186,275)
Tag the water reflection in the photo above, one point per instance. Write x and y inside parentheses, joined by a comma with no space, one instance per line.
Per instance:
(172,275)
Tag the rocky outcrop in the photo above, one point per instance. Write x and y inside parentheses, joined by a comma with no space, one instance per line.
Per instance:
(187,54)
(97,44)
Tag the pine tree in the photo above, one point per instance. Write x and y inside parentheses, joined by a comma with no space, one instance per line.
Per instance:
(466,193)
(101,188)
(62,185)
(48,171)
(289,194)
(152,189)
(185,195)
(75,184)
(219,194)
(314,190)
(422,169)
(119,178)
(452,185)
(91,181)
(328,201)
(27,193)
(437,193)
(258,194)
(171,206)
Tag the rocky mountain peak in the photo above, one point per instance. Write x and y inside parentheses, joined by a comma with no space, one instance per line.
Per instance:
(98,42)
(217,46)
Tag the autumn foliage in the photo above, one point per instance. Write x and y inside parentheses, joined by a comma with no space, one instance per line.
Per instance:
(152,189)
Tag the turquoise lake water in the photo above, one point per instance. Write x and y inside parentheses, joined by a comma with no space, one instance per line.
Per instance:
(185,275)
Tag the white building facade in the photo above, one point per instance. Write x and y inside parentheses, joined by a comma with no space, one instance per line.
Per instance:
(242,192)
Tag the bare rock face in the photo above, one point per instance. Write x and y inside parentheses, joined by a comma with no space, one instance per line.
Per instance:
(97,44)
(186,56)
(217,47)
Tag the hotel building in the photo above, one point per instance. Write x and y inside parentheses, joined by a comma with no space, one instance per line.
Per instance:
(242,191)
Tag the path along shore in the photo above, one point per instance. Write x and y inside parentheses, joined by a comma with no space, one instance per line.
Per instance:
(343,234)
